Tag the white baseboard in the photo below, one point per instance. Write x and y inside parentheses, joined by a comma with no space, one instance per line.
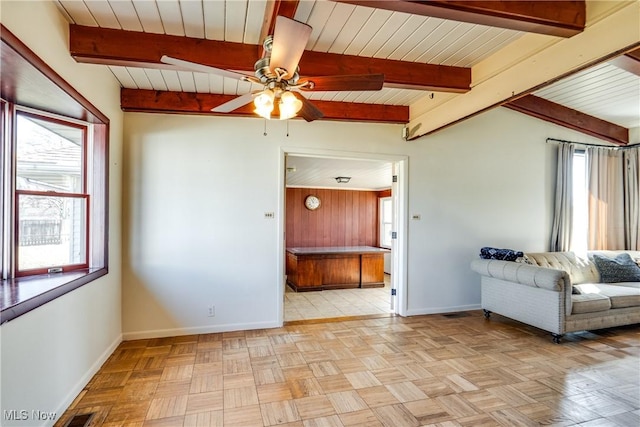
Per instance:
(440,310)
(84,380)
(209,329)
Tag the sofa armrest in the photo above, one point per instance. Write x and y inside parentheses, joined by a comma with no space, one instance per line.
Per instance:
(525,274)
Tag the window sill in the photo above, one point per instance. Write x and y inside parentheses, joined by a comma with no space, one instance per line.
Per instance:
(21,295)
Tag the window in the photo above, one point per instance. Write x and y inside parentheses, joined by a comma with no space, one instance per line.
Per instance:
(48,222)
(51,199)
(53,183)
(386,218)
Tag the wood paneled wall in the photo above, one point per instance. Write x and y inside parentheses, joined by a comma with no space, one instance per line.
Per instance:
(344,218)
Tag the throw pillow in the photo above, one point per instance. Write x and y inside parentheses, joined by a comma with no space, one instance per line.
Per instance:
(501,254)
(619,269)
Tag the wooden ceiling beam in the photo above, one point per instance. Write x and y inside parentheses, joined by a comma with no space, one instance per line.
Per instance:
(152,101)
(555,113)
(635,54)
(137,49)
(554,18)
(630,62)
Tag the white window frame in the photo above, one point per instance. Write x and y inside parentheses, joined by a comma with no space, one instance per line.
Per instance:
(383,220)
(84,193)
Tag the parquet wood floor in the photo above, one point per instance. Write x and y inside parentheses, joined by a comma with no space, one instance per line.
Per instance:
(456,370)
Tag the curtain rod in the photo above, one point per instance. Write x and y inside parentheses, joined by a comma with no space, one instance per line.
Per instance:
(617,147)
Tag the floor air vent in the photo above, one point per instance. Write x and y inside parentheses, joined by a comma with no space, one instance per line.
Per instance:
(80,420)
(456,315)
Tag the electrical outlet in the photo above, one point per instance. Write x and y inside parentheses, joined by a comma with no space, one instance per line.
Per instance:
(211,311)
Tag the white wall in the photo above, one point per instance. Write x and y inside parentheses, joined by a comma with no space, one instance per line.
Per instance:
(485,182)
(196,190)
(50,353)
(194,195)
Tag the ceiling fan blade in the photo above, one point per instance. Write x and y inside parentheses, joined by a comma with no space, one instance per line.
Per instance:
(309,112)
(347,82)
(193,66)
(238,102)
(289,40)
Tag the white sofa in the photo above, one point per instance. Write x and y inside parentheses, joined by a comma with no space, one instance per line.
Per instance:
(544,293)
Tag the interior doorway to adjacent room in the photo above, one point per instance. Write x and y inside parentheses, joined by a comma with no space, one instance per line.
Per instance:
(314,172)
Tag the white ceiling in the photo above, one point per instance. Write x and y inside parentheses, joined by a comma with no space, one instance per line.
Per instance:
(321,172)
(604,91)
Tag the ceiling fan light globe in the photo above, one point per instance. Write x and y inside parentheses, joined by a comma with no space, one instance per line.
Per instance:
(287,97)
(297,105)
(264,100)
(289,105)
(263,113)
(286,111)
(286,114)
(264,104)
(290,99)
(290,110)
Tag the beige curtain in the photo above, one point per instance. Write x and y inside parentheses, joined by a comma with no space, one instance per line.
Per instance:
(563,210)
(605,199)
(631,163)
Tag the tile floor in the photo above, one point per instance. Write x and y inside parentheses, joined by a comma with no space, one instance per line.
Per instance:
(337,303)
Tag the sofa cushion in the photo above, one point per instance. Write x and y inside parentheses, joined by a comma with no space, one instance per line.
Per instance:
(589,303)
(621,296)
(622,268)
(628,284)
(580,270)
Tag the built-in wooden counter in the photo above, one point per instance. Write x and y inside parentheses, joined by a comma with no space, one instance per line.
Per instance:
(335,267)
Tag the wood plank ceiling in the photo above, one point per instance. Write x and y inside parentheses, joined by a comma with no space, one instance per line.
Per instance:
(427,50)
(321,172)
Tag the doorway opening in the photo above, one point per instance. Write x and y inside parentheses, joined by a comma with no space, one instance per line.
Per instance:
(364,215)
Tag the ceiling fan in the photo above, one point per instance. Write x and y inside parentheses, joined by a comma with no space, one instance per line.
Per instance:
(278,72)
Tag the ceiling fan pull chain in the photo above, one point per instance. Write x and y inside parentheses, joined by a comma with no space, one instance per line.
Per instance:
(265,127)
(287,128)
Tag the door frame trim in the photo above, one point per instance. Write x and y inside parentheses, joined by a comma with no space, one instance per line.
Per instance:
(399,252)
